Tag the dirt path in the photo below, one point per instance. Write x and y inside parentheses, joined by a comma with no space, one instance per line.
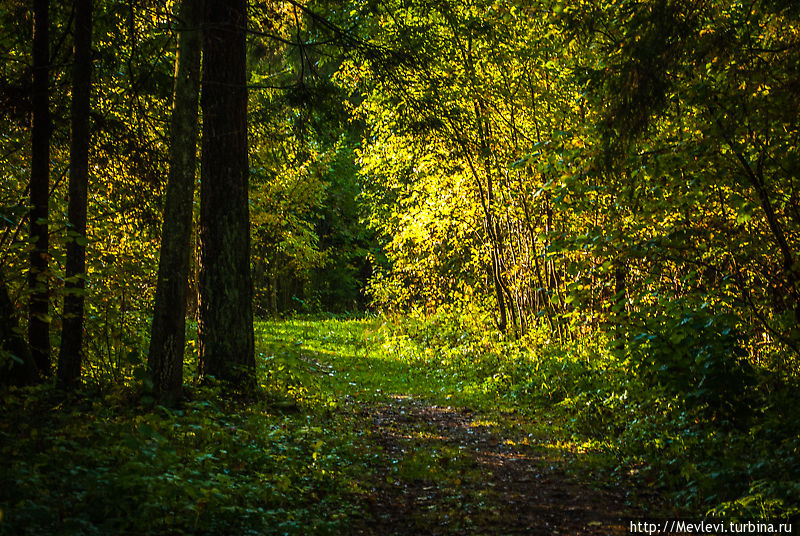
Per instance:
(449,471)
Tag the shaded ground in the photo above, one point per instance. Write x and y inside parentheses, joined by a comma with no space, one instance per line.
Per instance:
(447,470)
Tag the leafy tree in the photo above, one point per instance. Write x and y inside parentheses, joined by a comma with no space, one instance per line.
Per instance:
(309,247)
(696,119)
(485,98)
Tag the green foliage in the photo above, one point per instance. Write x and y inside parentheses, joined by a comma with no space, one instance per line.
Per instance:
(309,245)
(699,356)
(705,430)
(310,249)
(294,458)
(585,209)
(103,463)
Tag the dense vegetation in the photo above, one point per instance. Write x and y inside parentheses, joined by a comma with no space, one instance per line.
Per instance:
(585,212)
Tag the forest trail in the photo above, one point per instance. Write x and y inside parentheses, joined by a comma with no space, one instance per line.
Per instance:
(451,471)
(442,465)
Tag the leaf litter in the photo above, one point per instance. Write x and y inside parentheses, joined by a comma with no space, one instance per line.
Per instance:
(449,471)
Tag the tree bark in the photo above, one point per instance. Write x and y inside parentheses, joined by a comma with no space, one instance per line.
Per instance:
(38,276)
(70,355)
(168,337)
(226,316)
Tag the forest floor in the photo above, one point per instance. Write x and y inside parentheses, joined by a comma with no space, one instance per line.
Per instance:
(449,470)
(444,467)
(356,430)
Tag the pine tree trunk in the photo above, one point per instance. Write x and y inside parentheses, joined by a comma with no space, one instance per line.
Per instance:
(38,277)
(70,355)
(226,318)
(168,337)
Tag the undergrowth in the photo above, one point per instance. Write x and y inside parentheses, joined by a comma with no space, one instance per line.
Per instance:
(732,452)
(291,460)
(108,461)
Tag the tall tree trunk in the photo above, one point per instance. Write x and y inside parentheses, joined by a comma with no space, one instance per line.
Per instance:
(226,315)
(38,277)
(168,337)
(69,357)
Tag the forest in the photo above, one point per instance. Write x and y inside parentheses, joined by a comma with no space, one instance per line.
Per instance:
(404,267)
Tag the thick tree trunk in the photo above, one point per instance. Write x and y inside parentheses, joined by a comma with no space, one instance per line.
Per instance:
(38,277)
(226,316)
(69,358)
(168,337)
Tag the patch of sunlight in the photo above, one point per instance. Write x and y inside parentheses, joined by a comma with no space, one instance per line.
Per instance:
(576,447)
(479,423)
(427,436)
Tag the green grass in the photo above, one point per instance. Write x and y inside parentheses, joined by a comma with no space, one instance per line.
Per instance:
(287,461)
(373,359)
(613,424)
(294,458)
(360,358)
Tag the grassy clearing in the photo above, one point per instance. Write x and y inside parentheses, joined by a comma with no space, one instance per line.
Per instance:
(372,359)
(614,420)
